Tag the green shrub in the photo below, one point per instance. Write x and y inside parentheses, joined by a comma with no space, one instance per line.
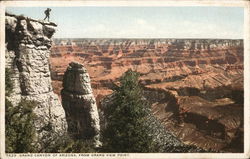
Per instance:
(8,81)
(78,146)
(19,127)
(62,143)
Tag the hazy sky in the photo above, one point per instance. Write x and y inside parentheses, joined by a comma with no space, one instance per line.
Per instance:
(142,22)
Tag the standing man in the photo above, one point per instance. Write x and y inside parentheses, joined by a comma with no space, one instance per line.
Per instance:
(47,13)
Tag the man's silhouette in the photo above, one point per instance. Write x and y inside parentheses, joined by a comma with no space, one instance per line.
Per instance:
(47,12)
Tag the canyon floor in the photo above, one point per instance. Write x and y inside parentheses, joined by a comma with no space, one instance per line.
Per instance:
(195,86)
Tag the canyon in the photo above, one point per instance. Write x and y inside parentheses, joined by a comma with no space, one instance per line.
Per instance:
(195,86)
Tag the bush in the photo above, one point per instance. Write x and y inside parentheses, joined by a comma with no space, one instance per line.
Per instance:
(78,146)
(19,121)
(62,143)
(20,130)
(8,82)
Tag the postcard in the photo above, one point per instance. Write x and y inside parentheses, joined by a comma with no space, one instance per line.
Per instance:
(125,79)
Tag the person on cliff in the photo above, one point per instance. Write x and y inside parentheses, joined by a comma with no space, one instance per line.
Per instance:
(47,13)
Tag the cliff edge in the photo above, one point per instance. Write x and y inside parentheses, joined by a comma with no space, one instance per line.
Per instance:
(28,43)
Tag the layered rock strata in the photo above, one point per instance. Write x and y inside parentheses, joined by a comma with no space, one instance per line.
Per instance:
(27,55)
(79,104)
(177,62)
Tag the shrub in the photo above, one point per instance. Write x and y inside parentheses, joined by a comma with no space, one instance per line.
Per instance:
(8,82)
(20,130)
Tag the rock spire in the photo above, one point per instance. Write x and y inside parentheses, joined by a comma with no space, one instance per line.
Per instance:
(79,104)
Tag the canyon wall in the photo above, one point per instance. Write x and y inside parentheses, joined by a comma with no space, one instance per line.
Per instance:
(79,104)
(189,82)
(184,62)
(27,54)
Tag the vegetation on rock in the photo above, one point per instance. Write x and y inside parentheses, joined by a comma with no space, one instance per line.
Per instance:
(20,129)
(19,122)
(8,82)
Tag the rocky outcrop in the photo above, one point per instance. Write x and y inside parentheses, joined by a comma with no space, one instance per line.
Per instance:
(27,54)
(79,104)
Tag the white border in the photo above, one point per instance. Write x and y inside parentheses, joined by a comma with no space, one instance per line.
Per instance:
(232,3)
(247,79)
(2,79)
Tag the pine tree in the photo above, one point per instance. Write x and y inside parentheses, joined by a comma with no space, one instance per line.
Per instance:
(126,129)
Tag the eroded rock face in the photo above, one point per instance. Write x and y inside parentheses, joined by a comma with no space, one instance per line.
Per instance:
(27,54)
(168,63)
(200,118)
(79,104)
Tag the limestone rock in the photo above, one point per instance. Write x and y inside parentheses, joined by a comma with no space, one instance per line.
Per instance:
(79,104)
(27,55)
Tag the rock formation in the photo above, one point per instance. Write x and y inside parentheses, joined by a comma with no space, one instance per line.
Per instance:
(27,54)
(79,104)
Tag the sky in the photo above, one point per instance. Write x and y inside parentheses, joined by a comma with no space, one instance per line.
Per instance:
(142,22)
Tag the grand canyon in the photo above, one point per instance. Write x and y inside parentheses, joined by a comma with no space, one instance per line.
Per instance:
(195,86)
